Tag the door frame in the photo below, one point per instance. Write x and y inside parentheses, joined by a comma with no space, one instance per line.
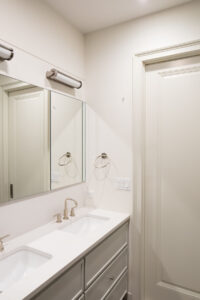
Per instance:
(140,60)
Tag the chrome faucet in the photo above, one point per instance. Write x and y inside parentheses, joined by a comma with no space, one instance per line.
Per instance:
(72,213)
(1,242)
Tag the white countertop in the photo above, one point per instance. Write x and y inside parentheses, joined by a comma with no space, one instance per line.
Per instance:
(65,249)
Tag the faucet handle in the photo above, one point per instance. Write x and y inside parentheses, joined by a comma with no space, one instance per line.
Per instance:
(1,241)
(4,237)
(72,213)
(58,218)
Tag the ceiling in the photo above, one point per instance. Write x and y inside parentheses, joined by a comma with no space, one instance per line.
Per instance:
(91,15)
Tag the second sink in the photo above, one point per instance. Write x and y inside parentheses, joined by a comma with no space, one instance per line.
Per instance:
(84,225)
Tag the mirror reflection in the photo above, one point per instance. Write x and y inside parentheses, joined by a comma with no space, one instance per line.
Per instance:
(41,138)
(66,140)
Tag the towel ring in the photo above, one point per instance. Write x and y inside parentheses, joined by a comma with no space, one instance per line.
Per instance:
(102,161)
(65,159)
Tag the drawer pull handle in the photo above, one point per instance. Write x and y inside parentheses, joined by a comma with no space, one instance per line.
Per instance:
(111,277)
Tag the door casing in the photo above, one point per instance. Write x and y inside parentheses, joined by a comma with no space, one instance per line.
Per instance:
(140,60)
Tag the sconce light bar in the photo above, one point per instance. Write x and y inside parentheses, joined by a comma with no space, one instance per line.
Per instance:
(6,53)
(62,78)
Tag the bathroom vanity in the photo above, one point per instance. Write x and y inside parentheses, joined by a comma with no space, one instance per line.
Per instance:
(43,149)
(96,273)
(88,259)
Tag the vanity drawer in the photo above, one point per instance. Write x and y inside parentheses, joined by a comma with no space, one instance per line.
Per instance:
(99,258)
(103,284)
(120,290)
(69,286)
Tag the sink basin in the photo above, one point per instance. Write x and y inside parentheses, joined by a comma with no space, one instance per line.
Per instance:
(19,264)
(85,225)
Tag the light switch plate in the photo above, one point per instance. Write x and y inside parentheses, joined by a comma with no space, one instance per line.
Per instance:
(123,183)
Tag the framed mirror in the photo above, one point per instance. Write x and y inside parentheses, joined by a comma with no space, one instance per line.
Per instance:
(41,140)
(67,118)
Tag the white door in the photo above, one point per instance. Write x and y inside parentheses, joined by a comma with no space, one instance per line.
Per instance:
(28,144)
(172,181)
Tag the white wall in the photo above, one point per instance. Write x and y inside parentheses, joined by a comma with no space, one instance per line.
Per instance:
(41,40)
(109,54)
(33,26)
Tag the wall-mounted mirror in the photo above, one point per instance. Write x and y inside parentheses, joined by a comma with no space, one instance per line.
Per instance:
(41,140)
(66,140)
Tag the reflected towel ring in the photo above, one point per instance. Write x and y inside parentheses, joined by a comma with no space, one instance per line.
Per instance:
(102,161)
(65,159)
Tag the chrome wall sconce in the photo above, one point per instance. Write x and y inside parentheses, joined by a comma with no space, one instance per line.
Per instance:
(6,53)
(56,75)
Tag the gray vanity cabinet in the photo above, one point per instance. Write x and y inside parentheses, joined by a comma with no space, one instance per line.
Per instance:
(120,289)
(99,258)
(106,281)
(68,286)
(101,274)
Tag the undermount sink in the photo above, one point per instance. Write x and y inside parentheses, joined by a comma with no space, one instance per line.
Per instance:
(19,264)
(85,225)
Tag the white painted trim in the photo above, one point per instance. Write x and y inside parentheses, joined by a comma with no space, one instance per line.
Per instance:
(5,144)
(1,144)
(140,60)
(46,142)
(12,87)
(176,51)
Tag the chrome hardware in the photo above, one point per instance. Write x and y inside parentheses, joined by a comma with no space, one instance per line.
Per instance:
(1,241)
(111,277)
(103,155)
(65,159)
(102,161)
(58,218)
